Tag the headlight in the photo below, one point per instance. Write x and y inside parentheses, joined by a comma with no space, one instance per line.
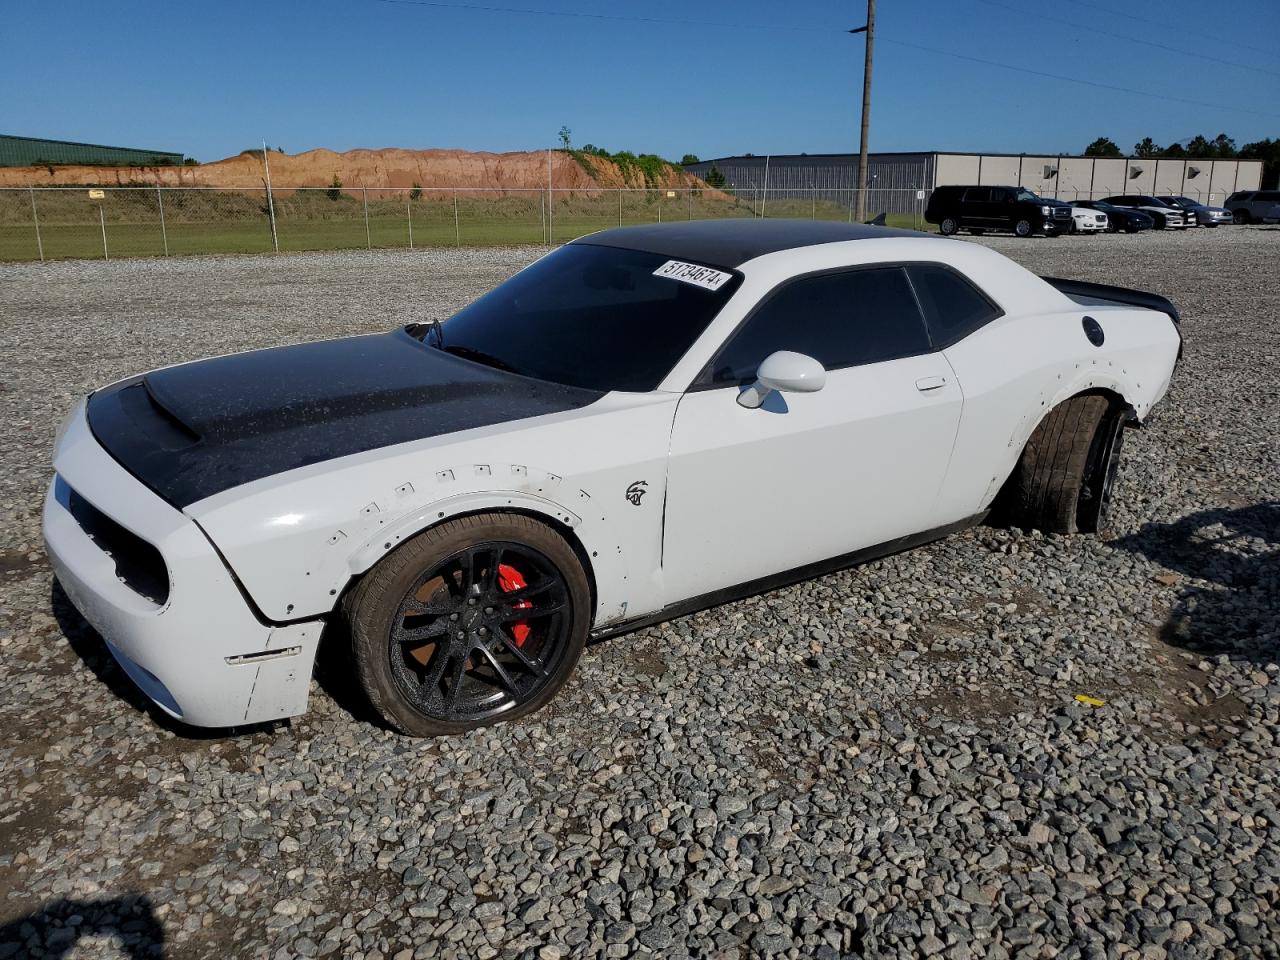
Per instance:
(1046,210)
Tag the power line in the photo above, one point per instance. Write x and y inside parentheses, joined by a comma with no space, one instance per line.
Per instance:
(1086,83)
(528,11)
(1131,39)
(484,8)
(1235,42)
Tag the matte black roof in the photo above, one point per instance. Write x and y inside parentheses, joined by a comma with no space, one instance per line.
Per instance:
(732,242)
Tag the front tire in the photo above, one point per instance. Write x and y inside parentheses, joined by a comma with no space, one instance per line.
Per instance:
(478,620)
(1064,479)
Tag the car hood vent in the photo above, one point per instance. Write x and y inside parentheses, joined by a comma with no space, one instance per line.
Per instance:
(197,429)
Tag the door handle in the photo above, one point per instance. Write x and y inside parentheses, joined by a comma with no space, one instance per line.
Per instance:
(925,384)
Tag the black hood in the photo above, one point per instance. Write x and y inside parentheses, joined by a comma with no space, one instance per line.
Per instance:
(194,430)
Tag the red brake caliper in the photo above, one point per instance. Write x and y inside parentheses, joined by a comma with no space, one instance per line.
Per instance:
(510,580)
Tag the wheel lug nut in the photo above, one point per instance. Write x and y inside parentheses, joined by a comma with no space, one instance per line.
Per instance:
(488,610)
(471,602)
(453,616)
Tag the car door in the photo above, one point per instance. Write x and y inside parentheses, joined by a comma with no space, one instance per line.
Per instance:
(1003,210)
(809,476)
(975,207)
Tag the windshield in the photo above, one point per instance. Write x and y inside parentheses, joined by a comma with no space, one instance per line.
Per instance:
(1021,194)
(589,316)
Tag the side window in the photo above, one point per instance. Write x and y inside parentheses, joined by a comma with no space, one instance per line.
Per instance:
(953,307)
(977,195)
(839,319)
(998,195)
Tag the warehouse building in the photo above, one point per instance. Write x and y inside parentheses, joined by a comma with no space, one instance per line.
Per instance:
(902,181)
(31,151)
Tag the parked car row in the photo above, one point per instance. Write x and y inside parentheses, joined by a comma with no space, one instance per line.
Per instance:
(979,209)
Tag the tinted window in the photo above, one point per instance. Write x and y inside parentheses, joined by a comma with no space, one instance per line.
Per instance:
(953,307)
(1270,196)
(840,319)
(977,195)
(587,316)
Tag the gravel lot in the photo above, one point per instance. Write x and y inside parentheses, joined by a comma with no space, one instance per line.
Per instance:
(885,762)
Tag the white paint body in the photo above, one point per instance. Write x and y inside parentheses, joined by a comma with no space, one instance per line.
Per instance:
(730,494)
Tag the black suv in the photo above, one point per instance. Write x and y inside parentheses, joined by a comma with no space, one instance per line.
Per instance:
(978,209)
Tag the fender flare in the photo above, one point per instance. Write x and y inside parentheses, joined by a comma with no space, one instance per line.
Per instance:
(605,561)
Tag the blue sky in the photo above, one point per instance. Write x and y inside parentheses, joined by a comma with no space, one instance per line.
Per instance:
(370,73)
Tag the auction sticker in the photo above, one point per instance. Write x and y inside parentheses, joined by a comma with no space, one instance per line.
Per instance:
(703,277)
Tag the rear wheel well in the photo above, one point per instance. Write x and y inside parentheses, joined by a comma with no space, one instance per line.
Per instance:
(1055,476)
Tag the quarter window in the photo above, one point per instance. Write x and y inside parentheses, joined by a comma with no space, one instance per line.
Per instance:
(840,319)
(953,307)
(977,195)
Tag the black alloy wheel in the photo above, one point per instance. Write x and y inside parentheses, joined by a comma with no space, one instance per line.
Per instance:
(1101,465)
(480,633)
(478,620)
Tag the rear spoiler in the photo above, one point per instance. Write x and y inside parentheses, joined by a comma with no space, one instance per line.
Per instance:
(1108,294)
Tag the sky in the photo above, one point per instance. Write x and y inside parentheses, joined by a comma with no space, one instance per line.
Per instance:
(754,76)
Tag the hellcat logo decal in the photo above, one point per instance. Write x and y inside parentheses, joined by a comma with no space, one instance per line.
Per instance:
(636,491)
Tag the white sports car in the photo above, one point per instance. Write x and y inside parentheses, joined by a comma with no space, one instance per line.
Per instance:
(644,422)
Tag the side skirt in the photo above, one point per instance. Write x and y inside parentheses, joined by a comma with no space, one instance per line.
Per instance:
(777,580)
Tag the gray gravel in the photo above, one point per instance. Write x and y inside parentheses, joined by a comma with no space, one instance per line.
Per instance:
(885,762)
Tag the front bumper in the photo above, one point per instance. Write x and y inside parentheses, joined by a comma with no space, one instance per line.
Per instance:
(198,649)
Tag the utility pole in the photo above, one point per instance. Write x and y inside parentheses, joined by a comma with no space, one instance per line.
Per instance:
(870,31)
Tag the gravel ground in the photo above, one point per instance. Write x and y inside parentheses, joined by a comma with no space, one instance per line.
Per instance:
(885,762)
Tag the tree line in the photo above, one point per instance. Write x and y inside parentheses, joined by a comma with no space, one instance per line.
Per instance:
(1201,147)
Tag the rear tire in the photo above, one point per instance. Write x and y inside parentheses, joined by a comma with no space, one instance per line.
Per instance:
(1064,479)
(1023,228)
(451,660)
(948,226)
(1240,217)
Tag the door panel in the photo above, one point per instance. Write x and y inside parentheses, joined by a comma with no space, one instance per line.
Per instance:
(807,477)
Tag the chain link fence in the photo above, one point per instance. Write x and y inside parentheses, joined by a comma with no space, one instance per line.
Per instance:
(48,223)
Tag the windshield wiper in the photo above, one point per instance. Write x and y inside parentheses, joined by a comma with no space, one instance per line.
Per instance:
(479,356)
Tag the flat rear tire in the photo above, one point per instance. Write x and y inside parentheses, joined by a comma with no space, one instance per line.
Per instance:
(1064,480)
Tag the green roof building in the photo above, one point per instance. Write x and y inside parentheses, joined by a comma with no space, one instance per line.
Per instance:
(30,151)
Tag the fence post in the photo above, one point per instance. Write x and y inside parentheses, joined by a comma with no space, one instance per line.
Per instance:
(271,203)
(542,210)
(619,206)
(102,220)
(368,238)
(408,209)
(35,218)
(457,234)
(164,234)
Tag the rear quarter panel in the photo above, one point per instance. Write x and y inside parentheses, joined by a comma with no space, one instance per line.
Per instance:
(1013,371)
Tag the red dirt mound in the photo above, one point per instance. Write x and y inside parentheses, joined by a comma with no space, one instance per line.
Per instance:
(390,167)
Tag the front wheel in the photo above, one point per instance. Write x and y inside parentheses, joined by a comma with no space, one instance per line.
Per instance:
(948,226)
(1023,228)
(1064,479)
(478,620)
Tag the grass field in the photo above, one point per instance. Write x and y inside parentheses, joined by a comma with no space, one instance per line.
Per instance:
(72,227)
